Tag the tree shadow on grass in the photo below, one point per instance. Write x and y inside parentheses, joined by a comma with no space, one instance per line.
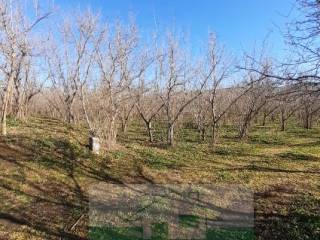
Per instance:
(156,144)
(43,185)
(304,133)
(296,156)
(306,144)
(293,215)
(157,161)
(255,168)
(267,140)
(235,151)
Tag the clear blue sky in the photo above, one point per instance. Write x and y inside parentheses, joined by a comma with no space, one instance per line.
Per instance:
(239,24)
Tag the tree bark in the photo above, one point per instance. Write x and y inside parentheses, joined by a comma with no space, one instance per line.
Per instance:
(70,117)
(283,120)
(203,134)
(170,136)
(150,132)
(307,122)
(124,125)
(264,118)
(283,125)
(243,130)
(111,133)
(214,133)
(245,125)
(5,105)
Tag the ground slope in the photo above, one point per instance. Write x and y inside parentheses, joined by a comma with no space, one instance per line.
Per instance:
(46,171)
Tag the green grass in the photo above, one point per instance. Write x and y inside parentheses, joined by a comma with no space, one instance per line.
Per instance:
(189,221)
(103,233)
(153,159)
(302,221)
(46,171)
(297,156)
(231,234)
(160,232)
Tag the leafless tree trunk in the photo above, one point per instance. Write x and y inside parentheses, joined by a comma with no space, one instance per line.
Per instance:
(126,111)
(179,74)
(16,46)
(70,59)
(260,91)
(268,109)
(148,117)
(121,62)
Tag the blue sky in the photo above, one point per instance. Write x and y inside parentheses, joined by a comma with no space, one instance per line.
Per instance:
(239,24)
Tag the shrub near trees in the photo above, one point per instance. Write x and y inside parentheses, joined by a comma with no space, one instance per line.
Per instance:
(105,74)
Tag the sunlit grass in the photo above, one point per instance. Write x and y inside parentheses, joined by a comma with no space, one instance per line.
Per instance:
(47,166)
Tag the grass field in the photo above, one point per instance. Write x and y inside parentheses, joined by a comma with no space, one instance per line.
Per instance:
(46,170)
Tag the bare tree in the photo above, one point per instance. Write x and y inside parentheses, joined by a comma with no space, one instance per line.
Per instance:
(16,46)
(126,110)
(309,109)
(268,109)
(261,90)
(182,80)
(200,112)
(288,106)
(149,104)
(219,71)
(70,59)
(121,62)
(302,35)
